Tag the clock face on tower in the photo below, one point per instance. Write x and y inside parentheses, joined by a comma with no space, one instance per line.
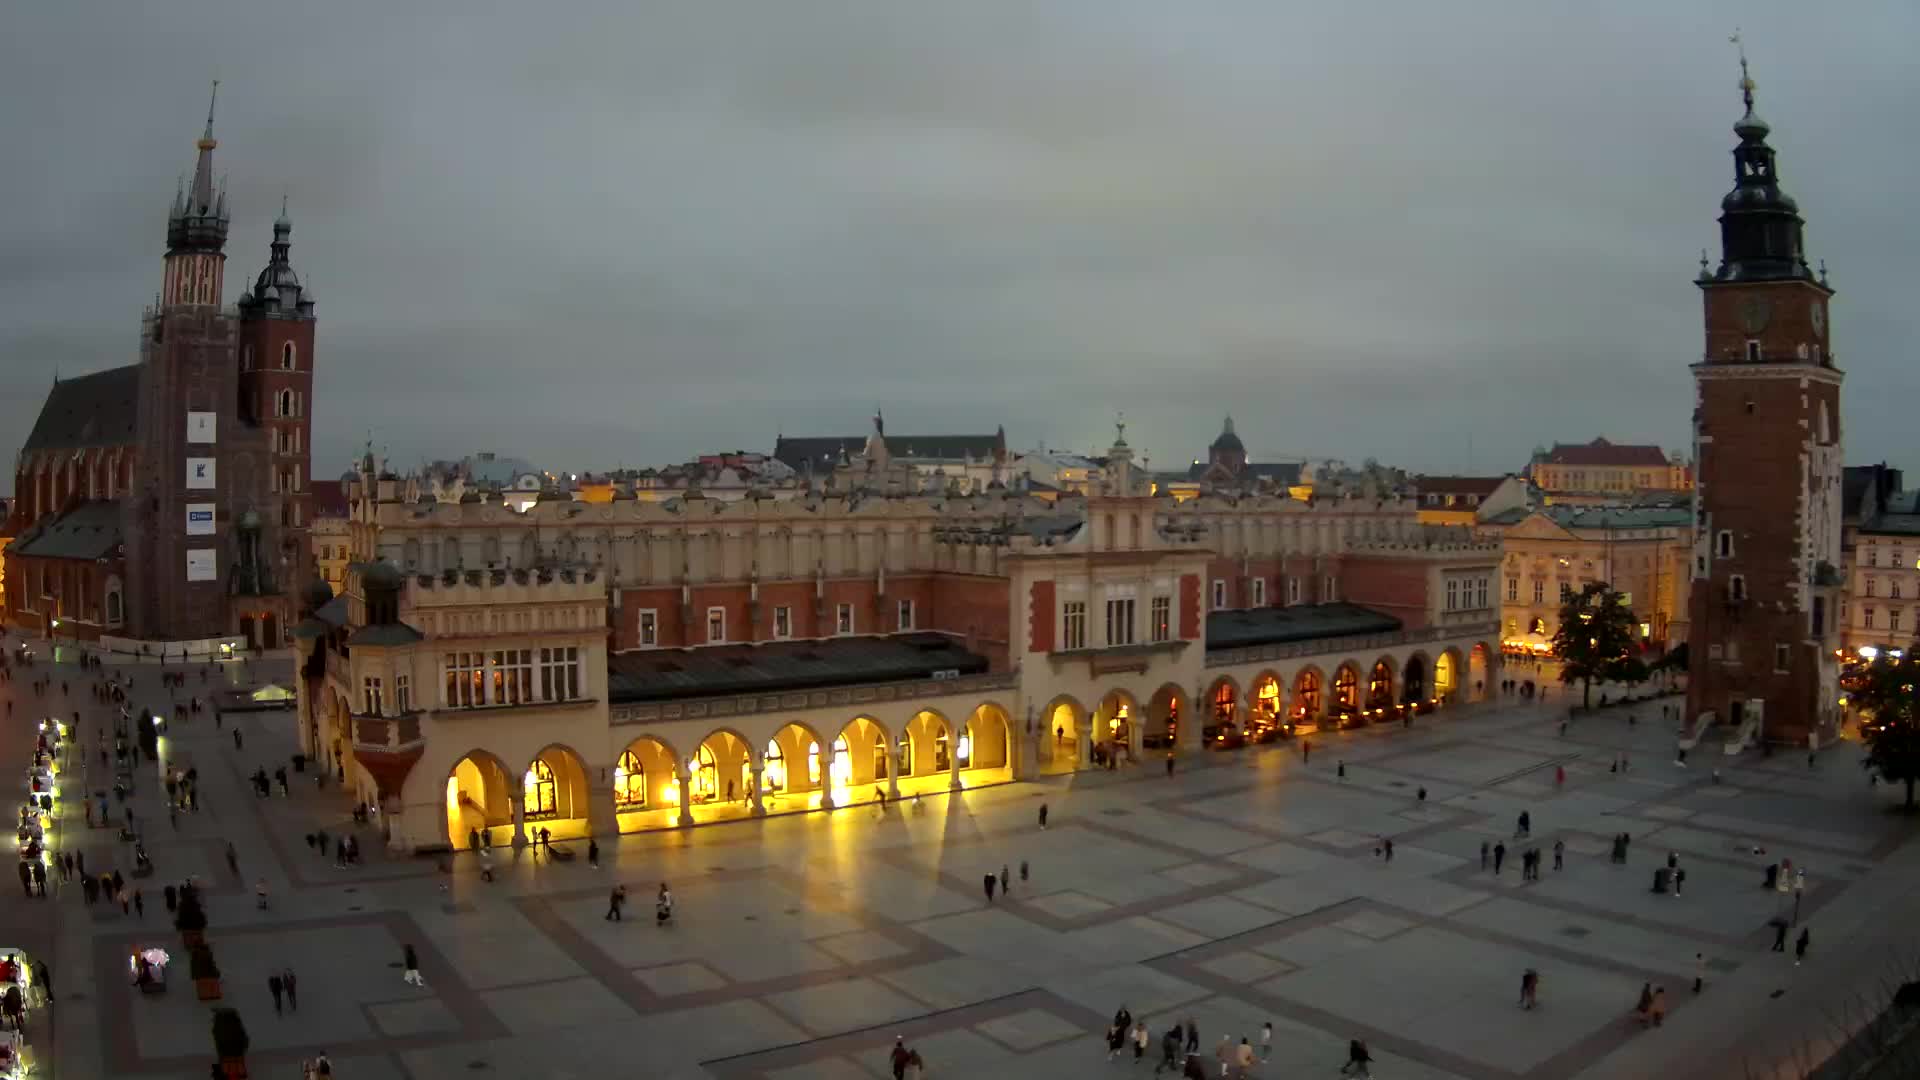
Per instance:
(1818,316)
(1754,313)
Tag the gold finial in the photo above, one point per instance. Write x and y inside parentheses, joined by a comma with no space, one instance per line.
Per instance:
(1746,81)
(206,140)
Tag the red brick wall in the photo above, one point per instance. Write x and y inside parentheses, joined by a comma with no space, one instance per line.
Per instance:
(1397,587)
(1040,618)
(974,608)
(1191,607)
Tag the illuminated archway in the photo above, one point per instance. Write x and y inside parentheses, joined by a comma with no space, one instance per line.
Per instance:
(1479,663)
(988,740)
(1062,736)
(928,746)
(643,777)
(1114,722)
(792,761)
(1380,685)
(1163,717)
(1269,706)
(862,756)
(478,799)
(1308,695)
(1446,674)
(1223,703)
(554,787)
(1346,689)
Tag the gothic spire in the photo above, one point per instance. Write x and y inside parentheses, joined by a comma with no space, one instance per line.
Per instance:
(203,170)
(197,221)
(1761,232)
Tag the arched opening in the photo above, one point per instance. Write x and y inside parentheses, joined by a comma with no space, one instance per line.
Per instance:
(1064,738)
(925,751)
(1380,685)
(479,805)
(1446,675)
(1308,696)
(1346,693)
(113,607)
(1114,727)
(1267,712)
(985,748)
(1163,718)
(862,758)
(1223,710)
(795,773)
(553,793)
(1413,681)
(247,631)
(1479,663)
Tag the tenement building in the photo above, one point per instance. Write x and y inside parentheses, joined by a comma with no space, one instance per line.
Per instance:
(1555,551)
(599,667)
(162,504)
(1768,505)
(1608,472)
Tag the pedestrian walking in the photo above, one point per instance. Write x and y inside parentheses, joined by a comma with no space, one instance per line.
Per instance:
(1223,1053)
(1043,815)
(1169,1051)
(1800,946)
(1559,854)
(1023,871)
(1422,794)
(615,898)
(411,961)
(1341,771)
(273,987)
(1699,972)
(288,984)
(898,1058)
(139,904)
(1779,935)
(1306,751)
(593,853)
(1499,856)
(1387,844)
(1243,1057)
(1359,1061)
(1140,1040)
(1658,1011)
(236,739)
(1006,881)
(1193,1036)
(1529,988)
(988,883)
(1266,1041)
(1169,765)
(233,860)
(1524,828)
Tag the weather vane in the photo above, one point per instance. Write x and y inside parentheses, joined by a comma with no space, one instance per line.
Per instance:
(1746,81)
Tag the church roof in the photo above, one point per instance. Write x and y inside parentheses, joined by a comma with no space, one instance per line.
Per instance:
(90,530)
(824,450)
(1601,452)
(88,411)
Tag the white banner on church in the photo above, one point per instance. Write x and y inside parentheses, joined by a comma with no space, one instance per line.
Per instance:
(200,427)
(200,473)
(199,519)
(200,565)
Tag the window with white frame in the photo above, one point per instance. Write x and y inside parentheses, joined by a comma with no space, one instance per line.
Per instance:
(1737,587)
(1513,590)
(370,699)
(1120,621)
(843,619)
(1219,595)
(1073,624)
(1293,590)
(1866,618)
(649,628)
(1782,657)
(1480,593)
(783,622)
(1327,594)
(716,625)
(906,614)
(1873,587)
(560,673)
(1539,590)
(1162,611)
(403,693)
(1723,544)
(1259,592)
(465,680)
(1453,594)
(1893,588)
(1893,619)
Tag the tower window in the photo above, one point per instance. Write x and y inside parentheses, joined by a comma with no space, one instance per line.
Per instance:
(1753,352)
(1737,587)
(286,356)
(1723,544)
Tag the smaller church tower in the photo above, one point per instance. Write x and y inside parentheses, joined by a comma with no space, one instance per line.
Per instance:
(276,390)
(1228,454)
(1765,595)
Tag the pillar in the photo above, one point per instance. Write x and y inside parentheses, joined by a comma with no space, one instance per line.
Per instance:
(518,801)
(1083,745)
(953,765)
(685,779)
(601,819)
(753,790)
(893,775)
(826,776)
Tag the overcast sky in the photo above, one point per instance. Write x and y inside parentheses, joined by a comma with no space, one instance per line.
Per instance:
(629,232)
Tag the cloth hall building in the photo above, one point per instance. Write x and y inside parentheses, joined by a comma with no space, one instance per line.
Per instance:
(593,668)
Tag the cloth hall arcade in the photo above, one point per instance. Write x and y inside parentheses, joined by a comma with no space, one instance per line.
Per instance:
(601,668)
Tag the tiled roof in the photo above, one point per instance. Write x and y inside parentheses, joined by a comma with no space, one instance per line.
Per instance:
(1482,486)
(1900,518)
(90,530)
(329,498)
(92,410)
(1619,517)
(386,634)
(665,674)
(1602,452)
(1298,622)
(824,451)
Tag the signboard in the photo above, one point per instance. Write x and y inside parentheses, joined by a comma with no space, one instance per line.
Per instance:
(200,473)
(200,565)
(199,519)
(200,427)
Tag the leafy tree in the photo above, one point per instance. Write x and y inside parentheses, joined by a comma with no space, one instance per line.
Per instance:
(1595,639)
(1886,692)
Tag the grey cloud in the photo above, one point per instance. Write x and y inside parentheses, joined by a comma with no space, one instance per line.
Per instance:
(624,233)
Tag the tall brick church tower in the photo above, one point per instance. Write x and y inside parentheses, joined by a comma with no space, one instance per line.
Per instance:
(1766,573)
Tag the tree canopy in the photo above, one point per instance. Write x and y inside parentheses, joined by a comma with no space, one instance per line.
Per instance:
(1886,693)
(1595,639)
